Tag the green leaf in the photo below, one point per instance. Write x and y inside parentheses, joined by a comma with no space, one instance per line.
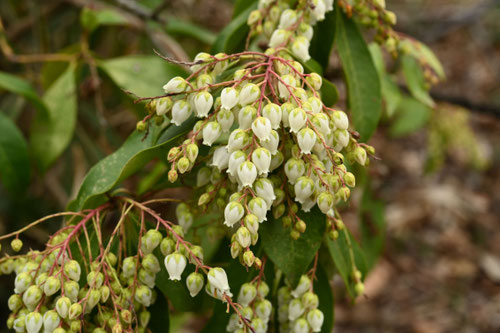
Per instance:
(241,5)
(416,81)
(341,255)
(181,27)
(423,54)
(14,159)
(160,316)
(52,132)
(21,87)
(177,292)
(322,41)
(293,256)
(323,289)
(372,225)
(91,18)
(128,159)
(363,83)
(232,38)
(140,74)
(329,93)
(411,116)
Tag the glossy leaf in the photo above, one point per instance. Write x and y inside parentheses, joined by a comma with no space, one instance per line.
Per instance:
(241,5)
(160,316)
(363,84)
(21,87)
(322,41)
(185,28)
(323,289)
(293,256)
(416,81)
(411,116)
(329,93)
(52,132)
(128,159)
(339,250)
(142,75)
(372,225)
(232,38)
(14,159)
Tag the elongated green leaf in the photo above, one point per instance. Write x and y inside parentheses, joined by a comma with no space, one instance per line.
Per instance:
(19,86)
(52,132)
(160,316)
(372,225)
(293,256)
(411,116)
(241,5)
(323,289)
(363,84)
(322,41)
(416,81)
(340,252)
(185,28)
(14,160)
(232,38)
(329,93)
(142,75)
(128,159)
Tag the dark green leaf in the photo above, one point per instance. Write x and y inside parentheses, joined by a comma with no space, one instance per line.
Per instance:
(312,65)
(411,115)
(232,38)
(19,86)
(185,28)
(326,302)
(372,225)
(341,255)
(127,160)
(177,292)
(416,81)
(160,316)
(91,18)
(52,132)
(363,84)
(241,5)
(293,256)
(142,75)
(322,41)
(14,160)
(329,93)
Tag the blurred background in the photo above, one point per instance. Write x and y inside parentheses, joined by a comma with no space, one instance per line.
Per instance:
(435,187)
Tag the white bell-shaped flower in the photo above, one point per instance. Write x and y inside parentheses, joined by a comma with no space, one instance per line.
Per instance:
(294,168)
(225,118)
(277,160)
(262,128)
(261,157)
(175,85)
(301,325)
(287,19)
(322,123)
(286,85)
(194,283)
(306,139)
(235,160)
(279,38)
(34,322)
(249,94)
(272,112)
(211,132)
(175,264)
(246,116)
(203,102)
(243,237)
(258,207)
(264,188)
(295,309)
(218,279)
(237,140)
(163,105)
(229,98)
(247,294)
(328,5)
(220,159)
(22,282)
(202,58)
(297,119)
(340,120)
(263,309)
(129,267)
(302,287)
(340,139)
(304,188)
(300,48)
(144,295)
(286,109)
(305,30)
(180,112)
(50,321)
(315,80)
(315,319)
(247,172)
(271,144)
(308,204)
(319,10)
(316,104)
(233,213)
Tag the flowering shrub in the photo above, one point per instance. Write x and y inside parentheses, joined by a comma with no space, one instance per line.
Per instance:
(269,160)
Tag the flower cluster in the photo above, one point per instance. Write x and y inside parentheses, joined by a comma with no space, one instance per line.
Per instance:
(298,308)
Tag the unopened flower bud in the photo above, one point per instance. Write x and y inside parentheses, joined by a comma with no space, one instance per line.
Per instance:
(194,283)
(340,120)
(34,322)
(344,193)
(237,140)
(163,105)
(310,300)
(32,296)
(295,309)
(144,295)
(315,319)
(183,164)
(175,85)
(248,258)
(233,213)
(50,321)
(263,309)
(302,287)
(360,155)
(247,294)
(315,80)
(279,38)
(300,48)
(72,270)
(117,328)
(243,237)
(301,325)
(22,282)
(325,202)
(150,241)
(51,286)
(249,94)
(75,310)
(167,246)
(254,17)
(287,19)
